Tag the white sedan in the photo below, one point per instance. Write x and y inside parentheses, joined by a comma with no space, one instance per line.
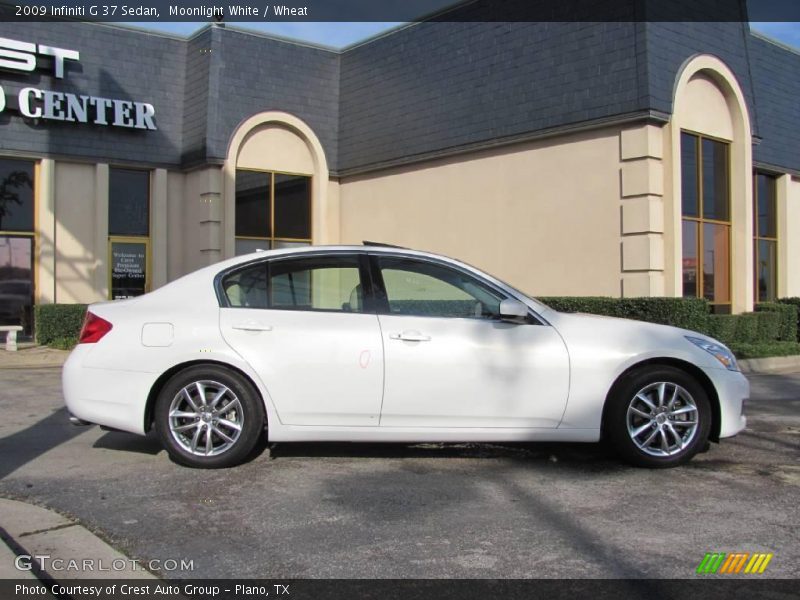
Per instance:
(377,343)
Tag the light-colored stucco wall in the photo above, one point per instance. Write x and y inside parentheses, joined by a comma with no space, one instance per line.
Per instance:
(72,231)
(75,259)
(276,148)
(544,215)
(202,218)
(590,213)
(176,226)
(789,236)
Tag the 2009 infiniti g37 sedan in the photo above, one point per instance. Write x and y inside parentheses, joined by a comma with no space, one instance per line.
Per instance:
(377,343)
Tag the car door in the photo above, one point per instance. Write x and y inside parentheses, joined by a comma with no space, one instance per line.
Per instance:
(301,323)
(451,362)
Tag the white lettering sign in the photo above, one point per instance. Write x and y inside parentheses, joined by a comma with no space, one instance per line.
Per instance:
(21,56)
(35,103)
(63,106)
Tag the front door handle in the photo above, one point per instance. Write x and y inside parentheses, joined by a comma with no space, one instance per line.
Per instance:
(410,336)
(252,326)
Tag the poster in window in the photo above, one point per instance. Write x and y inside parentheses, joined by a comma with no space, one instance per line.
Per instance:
(128,269)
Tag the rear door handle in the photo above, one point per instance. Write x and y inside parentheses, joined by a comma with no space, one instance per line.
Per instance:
(252,326)
(410,336)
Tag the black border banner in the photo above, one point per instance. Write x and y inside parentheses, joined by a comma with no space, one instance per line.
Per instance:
(400,10)
(707,587)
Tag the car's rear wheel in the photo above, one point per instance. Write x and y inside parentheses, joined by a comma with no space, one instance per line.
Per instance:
(658,416)
(209,416)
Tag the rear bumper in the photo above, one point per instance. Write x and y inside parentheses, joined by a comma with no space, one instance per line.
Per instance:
(733,391)
(109,397)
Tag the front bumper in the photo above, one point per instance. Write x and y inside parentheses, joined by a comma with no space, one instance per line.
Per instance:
(733,391)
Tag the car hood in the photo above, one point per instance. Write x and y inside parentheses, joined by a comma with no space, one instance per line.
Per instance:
(589,335)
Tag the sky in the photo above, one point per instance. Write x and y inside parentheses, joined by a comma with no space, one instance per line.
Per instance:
(339,35)
(788,33)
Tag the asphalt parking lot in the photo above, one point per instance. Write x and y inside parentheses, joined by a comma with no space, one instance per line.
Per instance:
(379,511)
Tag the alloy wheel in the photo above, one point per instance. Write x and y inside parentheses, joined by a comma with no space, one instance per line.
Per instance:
(206,418)
(662,419)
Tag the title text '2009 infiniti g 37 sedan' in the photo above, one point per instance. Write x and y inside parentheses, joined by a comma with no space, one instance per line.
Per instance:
(376,343)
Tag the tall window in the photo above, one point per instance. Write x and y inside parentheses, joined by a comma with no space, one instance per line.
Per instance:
(705,199)
(16,242)
(765,238)
(129,232)
(273,210)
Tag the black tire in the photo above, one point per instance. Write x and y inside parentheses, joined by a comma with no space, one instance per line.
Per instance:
(623,419)
(240,405)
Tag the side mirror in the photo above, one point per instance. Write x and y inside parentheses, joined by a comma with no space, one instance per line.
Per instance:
(513,310)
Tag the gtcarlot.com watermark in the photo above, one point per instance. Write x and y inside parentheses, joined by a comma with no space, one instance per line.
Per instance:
(45,562)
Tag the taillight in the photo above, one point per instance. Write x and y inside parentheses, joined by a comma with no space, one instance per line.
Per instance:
(94,328)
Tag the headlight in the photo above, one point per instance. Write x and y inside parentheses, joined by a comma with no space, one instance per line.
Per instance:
(718,351)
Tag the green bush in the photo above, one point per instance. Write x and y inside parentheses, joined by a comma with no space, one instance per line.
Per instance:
(688,313)
(721,327)
(796,303)
(746,328)
(787,317)
(768,326)
(59,324)
(63,343)
(765,350)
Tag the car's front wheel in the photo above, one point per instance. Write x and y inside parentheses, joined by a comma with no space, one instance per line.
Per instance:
(658,416)
(209,416)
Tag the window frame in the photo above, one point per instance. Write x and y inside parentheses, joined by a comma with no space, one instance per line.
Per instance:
(271,240)
(33,235)
(700,220)
(757,237)
(365,281)
(132,239)
(375,302)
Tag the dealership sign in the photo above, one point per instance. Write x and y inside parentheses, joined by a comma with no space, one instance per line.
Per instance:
(35,103)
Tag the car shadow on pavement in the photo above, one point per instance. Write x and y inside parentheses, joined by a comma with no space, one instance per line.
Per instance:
(127,442)
(582,456)
(26,445)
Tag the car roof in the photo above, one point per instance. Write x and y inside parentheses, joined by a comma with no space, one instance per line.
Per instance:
(367,248)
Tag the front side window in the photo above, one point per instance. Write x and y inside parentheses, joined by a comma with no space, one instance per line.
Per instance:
(765,237)
(129,232)
(273,210)
(706,225)
(420,288)
(17,239)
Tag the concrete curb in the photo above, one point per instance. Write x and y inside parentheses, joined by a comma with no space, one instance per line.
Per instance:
(773,364)
(28,530)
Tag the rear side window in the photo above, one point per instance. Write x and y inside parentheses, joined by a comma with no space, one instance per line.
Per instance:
(328,283)
(247,288)
(316,283)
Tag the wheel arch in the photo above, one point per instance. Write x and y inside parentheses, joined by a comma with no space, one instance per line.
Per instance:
(690,369)
(162,380)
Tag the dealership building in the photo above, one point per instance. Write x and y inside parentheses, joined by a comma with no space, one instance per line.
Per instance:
(611,158)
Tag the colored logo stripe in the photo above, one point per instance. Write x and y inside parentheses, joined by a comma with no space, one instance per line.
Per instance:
(758,564)
(711,562)
(723,563)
